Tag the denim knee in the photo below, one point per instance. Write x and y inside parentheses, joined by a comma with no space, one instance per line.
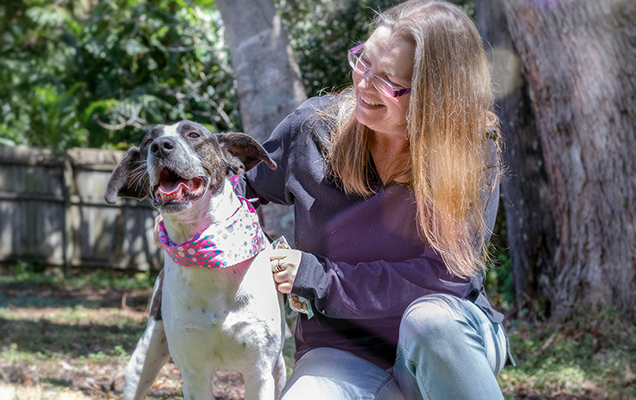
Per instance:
(433,319)
(326,373)
(449,349)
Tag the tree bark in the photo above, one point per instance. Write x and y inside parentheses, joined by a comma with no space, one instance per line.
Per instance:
(525,191)
(579,58)
(268,78)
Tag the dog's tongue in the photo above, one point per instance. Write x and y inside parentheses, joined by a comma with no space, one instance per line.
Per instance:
(174,190)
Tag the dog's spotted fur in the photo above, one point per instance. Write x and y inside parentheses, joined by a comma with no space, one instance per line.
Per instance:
(204,319)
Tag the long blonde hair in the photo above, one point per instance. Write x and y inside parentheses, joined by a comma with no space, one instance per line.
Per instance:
(452,132)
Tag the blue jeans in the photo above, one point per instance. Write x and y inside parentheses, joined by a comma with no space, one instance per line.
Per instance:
(448,349)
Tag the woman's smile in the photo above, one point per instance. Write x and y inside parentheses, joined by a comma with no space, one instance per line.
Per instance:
(369,103)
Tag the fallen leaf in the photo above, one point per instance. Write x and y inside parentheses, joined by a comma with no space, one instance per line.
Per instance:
(548,342)
(589,385)
(629,375)
(25,378)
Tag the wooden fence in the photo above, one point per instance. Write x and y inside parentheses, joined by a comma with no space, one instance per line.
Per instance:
(52,209)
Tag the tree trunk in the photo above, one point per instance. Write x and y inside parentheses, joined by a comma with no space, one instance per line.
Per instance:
(268,77)
(579,58)
(525,190)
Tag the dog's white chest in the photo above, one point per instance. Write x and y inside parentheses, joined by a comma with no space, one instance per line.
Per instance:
(216,317)
(198,298)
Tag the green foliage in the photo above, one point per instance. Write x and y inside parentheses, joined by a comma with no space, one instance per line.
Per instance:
(35,273)
(24,271)
(499,281)
(321,32)
(95,74)
(75,73)
(592,357)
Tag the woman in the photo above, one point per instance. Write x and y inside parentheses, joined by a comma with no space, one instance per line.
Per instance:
(395,189)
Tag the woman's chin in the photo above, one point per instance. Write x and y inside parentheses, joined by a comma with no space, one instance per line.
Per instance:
(366,116)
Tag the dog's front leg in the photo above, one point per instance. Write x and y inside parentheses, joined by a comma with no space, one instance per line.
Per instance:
(260,385)
(280,375)
(197,385)
(151,352)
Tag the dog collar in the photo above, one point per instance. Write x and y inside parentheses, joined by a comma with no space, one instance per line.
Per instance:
(221,245)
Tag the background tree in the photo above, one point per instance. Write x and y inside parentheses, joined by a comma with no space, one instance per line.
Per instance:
(265,68)
(268,79)
(526,203)
(579,60)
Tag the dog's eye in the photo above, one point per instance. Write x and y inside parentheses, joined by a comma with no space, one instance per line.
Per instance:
(148,141)
(193,135)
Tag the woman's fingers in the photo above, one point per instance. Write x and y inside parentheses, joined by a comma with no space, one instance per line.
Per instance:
(285,288)
(284,264)
(277,264)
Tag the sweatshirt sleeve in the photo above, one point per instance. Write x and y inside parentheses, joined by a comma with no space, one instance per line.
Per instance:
(374,289)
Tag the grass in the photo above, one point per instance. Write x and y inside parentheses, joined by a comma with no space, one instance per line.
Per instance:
(34,273)
(63,338)
(71,337)
(586,359)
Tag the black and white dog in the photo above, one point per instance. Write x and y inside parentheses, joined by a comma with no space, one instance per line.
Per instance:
(214,304)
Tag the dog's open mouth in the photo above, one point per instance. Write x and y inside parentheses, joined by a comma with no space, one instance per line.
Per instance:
(173,187)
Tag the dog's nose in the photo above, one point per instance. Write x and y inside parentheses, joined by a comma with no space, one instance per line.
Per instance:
(162,147)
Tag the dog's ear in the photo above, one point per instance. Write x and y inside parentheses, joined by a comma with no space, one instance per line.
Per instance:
(127,179)
(243,151)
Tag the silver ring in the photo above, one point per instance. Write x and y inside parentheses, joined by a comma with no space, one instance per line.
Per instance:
(279,267)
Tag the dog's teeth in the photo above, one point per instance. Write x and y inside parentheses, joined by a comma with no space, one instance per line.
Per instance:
(178,194)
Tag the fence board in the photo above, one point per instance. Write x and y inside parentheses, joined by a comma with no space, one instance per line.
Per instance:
(52,209)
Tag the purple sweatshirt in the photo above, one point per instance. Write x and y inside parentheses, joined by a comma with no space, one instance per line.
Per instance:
(363,262)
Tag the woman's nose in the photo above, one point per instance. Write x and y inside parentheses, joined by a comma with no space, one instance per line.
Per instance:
(365,80)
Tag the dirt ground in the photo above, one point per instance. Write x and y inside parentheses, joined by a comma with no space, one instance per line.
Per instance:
(74,344)
(84,371)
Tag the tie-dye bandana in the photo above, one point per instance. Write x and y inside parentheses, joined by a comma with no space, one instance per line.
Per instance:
(222,245)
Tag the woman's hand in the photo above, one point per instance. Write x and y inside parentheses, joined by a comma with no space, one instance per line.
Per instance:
(284,263)
(155,232)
